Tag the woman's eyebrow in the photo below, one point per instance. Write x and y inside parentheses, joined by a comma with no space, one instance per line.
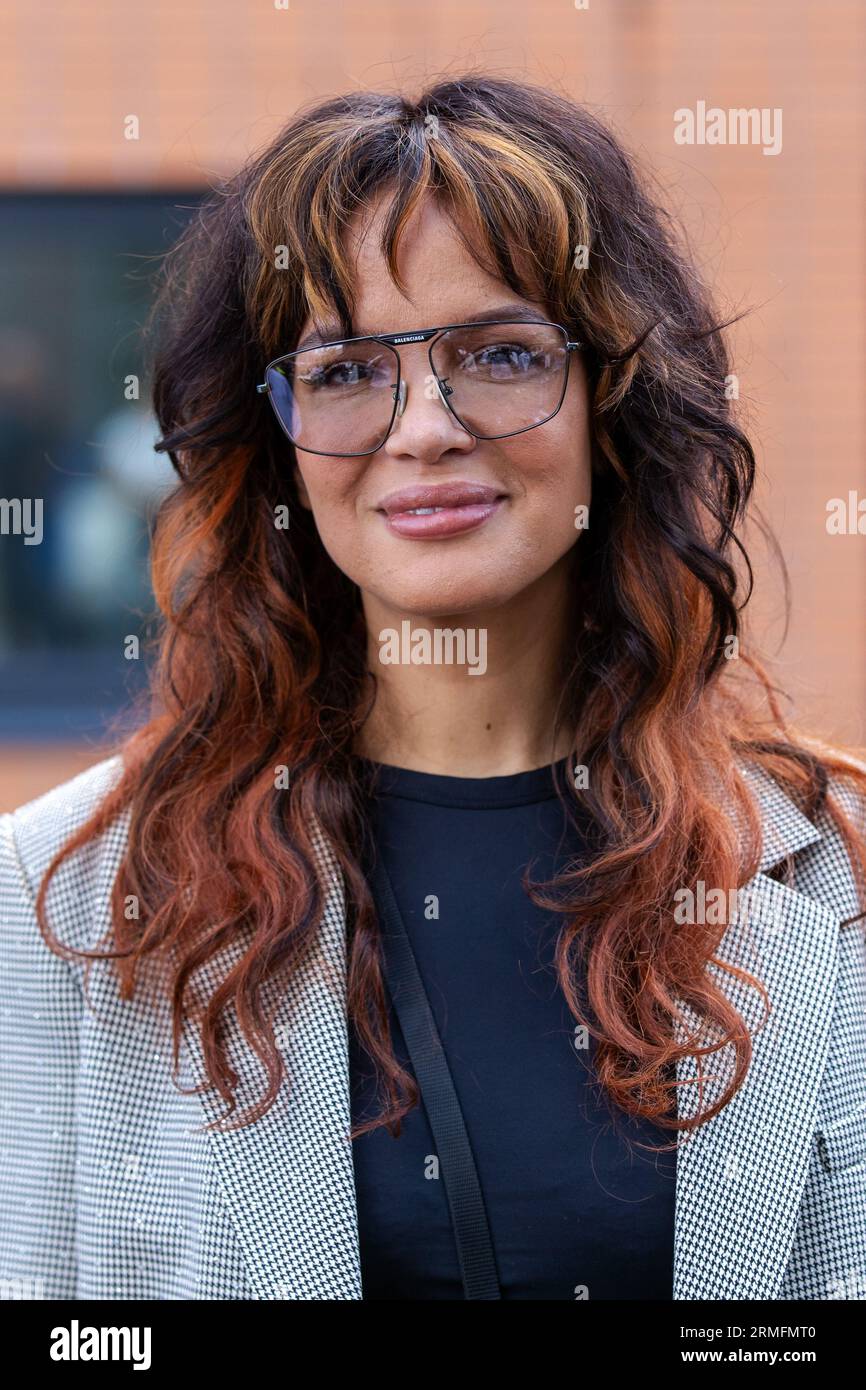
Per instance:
(330,332)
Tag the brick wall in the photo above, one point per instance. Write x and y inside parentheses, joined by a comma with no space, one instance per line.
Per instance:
(210,80)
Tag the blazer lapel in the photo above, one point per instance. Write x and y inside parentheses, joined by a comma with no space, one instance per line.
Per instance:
(741,1175)
(288,1179)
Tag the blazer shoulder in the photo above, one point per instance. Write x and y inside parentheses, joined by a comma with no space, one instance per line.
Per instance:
(850,794)
(825,870)
(32,834)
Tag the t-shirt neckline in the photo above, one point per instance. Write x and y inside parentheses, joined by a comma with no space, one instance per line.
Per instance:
(471,793)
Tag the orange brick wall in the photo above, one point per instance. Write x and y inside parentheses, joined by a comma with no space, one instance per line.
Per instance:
(211,79)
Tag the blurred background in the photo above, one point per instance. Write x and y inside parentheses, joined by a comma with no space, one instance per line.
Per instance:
(87,212)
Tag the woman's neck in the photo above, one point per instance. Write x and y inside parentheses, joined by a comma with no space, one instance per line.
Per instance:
(478,703)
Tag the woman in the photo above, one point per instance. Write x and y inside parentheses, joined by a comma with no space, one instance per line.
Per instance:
(449,692)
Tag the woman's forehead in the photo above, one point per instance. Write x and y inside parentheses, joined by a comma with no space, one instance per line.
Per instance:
(469,311)
(442,282)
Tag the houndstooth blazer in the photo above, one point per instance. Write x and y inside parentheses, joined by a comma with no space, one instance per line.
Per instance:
(111,1189)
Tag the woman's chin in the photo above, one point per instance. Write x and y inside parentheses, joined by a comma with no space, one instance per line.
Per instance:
(451,601)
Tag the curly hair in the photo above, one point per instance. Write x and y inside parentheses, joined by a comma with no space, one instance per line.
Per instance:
(262,654)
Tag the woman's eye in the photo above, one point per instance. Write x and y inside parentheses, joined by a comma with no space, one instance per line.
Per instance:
(339,374)
(504,359)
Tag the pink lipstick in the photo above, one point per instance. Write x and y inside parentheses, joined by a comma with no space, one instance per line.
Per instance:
(434,510)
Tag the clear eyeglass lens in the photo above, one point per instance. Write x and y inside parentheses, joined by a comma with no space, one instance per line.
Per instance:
(498,379)
(501,378)
(337,399)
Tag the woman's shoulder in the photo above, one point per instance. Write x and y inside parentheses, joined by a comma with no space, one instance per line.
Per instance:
(849,792)
(818,856)
(31,835)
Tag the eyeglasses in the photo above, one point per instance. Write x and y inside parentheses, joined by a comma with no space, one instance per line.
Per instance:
(496,378)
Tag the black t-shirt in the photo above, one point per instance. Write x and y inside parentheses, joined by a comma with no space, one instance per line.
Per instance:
(573,1203)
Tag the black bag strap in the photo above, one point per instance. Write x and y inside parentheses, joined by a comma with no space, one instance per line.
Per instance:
(462,1188)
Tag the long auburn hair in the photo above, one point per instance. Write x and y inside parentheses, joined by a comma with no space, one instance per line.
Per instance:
(262,650)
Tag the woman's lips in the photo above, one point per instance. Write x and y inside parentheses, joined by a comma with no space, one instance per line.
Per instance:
(443,521)
(428,510)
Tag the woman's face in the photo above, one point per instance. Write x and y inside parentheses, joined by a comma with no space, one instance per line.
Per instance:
(536,479)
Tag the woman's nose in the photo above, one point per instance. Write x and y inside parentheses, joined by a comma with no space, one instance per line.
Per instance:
(427,425)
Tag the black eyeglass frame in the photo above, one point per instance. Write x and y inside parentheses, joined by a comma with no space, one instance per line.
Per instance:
(422,335)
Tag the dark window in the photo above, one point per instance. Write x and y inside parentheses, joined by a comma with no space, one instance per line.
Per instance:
(76,282)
